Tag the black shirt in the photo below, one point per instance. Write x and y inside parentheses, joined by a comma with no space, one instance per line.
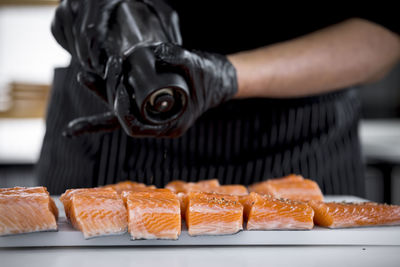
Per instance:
(241,141)
(231,26)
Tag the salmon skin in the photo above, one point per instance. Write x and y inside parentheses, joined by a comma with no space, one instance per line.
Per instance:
(344,215)
(293,187)
(263,212)
(213,214)
(127,186)
(95,211)
(153,214)
(26,210)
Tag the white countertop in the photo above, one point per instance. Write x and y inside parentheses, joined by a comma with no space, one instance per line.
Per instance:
(380,139)
(335,256)
(21,140)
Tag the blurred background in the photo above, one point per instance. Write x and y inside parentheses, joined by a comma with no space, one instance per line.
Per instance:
(29,54)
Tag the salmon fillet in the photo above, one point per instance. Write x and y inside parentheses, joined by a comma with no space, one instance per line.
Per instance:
(183,200)
(201,186)
(213,214)
(247,201)
(26,209)
(147,189)
(95,211)
(126,186)
(153,214)
(293,187)
(264,212)
(342,215)
(234,189)
(177,186)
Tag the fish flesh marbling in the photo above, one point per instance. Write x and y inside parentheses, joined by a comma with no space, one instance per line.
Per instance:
(343,215)
(213,214)
(26,209)
(153,214)
(95,211)
(264,212)
(293,187)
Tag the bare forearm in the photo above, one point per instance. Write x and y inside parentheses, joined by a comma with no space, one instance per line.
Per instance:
(352,52)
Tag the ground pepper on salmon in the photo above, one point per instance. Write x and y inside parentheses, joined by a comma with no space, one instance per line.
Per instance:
(213,214)
(264,212)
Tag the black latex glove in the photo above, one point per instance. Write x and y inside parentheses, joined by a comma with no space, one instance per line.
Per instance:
(81,27)
(211,78)
(98,34)
(86,28)
(115,95)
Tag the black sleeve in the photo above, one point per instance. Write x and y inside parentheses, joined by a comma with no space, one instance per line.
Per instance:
(387,16)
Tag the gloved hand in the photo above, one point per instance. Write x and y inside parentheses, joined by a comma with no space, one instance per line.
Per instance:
(81,27)
(98,34)
(86,28)
(211,77)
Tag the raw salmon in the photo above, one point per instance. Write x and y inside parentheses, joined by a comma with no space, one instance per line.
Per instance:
(177,186)
(95,211)
(213,214)
(201,186)
(293,187)
(264,212)
(342,215)
(207,186)
(126,186)
(147,189)
(26,209)
(234,189)
(183,200)
(153,214)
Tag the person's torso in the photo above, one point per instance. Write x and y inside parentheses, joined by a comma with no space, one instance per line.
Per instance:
(241,141)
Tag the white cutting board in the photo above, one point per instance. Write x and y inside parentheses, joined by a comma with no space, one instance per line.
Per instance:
(68,236)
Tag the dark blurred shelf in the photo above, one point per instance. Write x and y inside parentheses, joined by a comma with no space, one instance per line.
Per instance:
(29,2)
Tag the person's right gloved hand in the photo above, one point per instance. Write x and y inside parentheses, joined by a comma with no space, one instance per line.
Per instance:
(86,28)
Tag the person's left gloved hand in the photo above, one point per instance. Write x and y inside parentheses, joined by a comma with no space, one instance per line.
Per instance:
(211,78)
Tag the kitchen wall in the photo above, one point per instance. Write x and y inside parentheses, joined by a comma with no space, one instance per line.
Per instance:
(28,51)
